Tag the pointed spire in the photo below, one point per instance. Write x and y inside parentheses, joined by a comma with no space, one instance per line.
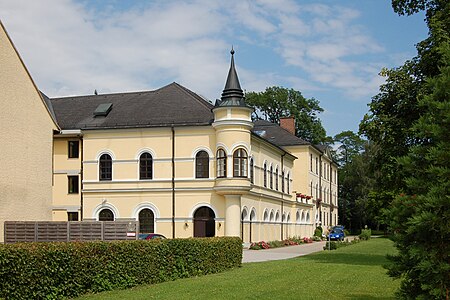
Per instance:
(232,94)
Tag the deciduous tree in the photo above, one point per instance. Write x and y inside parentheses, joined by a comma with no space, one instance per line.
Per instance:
(276,102)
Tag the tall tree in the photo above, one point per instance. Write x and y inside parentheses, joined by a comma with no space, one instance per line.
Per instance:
(349,145)
(409,123)
(421,217)
(276,102)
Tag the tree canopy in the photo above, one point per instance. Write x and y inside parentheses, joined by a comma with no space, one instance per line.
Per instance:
(276,102)
(409,124)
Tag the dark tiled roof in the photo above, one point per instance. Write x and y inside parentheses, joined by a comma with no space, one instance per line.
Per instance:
(172,104)
(276,135)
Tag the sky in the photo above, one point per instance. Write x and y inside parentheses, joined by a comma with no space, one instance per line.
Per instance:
(329,50)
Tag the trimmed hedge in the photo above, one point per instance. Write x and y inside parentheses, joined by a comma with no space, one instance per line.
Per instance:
(58,270)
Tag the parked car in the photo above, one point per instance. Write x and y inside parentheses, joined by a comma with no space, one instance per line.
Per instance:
(339,227)
(151,236)
(336,234)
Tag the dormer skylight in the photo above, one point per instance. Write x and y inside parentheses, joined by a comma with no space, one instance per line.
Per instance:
(103,109)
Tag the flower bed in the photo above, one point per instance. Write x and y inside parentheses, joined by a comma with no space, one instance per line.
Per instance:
(276,244)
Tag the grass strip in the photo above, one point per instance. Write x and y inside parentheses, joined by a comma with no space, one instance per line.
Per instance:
(353,272)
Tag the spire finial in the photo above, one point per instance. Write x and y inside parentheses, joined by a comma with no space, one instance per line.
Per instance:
(232,94)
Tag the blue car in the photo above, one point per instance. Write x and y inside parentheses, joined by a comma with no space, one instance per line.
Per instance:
(336,234)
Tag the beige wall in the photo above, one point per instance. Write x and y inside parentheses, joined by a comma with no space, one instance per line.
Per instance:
(26,148)
(321,182)
(63,202)
(125,195)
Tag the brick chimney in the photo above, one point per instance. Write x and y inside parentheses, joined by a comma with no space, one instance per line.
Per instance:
(288,123)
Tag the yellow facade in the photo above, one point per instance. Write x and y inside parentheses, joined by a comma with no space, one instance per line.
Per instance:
(212,179)
(26,148)
(272,211)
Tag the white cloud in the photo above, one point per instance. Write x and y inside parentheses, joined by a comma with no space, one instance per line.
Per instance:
(73,48)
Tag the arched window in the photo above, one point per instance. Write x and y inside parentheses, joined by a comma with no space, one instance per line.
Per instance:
(276,178)
(244,214)
(271,177)
(272,216)
(252,171)
(240,163)
(253,215)
(106,215)
(146,221)
(277,216)
(282,181)
(145,166)
(105,168)
(265,175)
(202,165)
(297,217)
(266,216)
(221,163)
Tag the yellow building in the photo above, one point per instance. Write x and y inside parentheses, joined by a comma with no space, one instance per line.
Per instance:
(26,148)
(168,158)
(184,167)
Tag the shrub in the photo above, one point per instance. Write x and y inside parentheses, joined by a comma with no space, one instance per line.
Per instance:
(308,240)
(297,240)
(259,245)
(67,270)
(290,242)
(330,246)
(276,244)
(315,239)
(318,231)
(365,234)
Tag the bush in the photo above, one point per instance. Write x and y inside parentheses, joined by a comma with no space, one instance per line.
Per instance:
(316,238)
(339,244)
(330,246)
(297,240)
(259,245)
(318,231)
(60,270)
(290,242)
(276,244)
(365,234)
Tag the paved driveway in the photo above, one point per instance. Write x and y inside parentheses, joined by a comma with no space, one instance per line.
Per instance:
(281,253)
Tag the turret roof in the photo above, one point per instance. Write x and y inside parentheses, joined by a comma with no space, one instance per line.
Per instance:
(232,94)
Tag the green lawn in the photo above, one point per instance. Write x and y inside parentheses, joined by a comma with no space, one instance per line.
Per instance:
(353,272)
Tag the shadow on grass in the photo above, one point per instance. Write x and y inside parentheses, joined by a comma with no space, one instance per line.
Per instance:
(349,258)
(367,297)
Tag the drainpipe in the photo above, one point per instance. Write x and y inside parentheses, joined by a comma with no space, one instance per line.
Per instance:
(81,178)
(330,175)
(282,196)
(173,181)
(320,190)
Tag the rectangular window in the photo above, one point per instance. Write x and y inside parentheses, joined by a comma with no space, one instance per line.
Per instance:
(73,184)
(317,165)
(72,216)
(74,149)
(311,162)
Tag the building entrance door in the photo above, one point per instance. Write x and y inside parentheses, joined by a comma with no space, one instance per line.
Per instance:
(204,223)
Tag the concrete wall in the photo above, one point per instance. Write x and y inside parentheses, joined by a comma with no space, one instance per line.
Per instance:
(26,147)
